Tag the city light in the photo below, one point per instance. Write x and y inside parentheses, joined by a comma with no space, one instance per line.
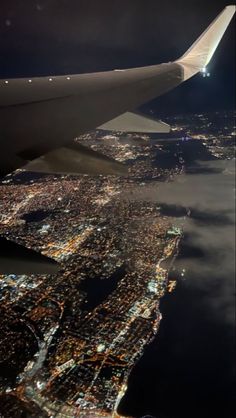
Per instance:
(81,331)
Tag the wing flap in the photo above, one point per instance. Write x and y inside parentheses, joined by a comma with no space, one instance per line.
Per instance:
(17,259)
(76,159)
(135,122)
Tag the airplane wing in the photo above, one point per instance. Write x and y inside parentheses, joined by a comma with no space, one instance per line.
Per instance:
(40,117)
(42,114)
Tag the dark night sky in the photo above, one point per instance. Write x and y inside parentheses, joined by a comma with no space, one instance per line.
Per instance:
(45,37)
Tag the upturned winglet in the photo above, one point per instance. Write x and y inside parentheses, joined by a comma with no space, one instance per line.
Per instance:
(200,53)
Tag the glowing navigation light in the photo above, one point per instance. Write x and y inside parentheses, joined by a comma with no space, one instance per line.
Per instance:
(205,72)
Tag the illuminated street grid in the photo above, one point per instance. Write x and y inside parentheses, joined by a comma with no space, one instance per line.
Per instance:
(70,340)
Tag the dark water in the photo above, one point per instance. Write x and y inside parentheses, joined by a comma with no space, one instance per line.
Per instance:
(97,290)
(189,370)
(36,215)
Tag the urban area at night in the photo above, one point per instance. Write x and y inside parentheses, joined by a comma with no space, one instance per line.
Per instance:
(70,340)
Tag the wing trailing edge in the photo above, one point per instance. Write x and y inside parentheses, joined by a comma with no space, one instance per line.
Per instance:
(200,53)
